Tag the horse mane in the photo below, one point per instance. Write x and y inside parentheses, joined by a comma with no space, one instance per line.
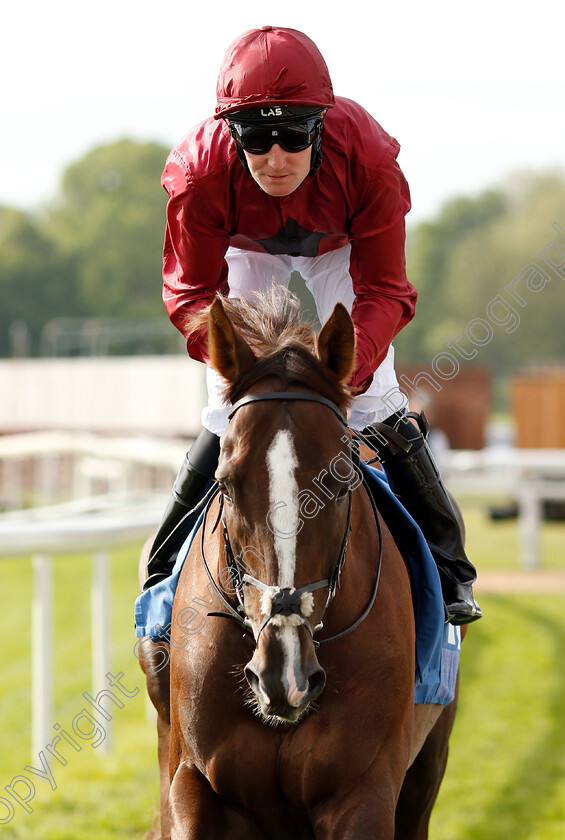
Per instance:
(284,345)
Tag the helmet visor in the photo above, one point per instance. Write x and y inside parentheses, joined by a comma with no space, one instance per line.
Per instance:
(293,137)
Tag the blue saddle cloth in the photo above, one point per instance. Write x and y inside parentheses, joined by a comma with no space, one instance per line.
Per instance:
(437,644)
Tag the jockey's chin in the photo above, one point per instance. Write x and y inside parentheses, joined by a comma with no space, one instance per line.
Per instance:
(279,173)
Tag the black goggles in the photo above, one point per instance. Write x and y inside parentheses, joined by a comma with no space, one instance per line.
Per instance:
(258,139)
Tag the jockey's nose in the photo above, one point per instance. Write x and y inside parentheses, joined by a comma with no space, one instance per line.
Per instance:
(277,157)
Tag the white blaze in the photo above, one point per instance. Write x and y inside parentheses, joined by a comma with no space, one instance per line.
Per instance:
(283,504)
(291,665)
(284,522)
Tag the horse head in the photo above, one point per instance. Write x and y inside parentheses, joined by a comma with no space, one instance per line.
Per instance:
(286,478)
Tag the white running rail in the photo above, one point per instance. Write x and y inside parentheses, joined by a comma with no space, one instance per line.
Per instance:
(93,525)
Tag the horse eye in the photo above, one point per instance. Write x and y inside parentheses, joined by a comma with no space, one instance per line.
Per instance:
(342,492)
(224,491)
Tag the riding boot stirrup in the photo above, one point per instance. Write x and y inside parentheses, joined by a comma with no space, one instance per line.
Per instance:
(415,479)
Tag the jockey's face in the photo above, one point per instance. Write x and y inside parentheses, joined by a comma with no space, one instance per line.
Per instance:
(278,172)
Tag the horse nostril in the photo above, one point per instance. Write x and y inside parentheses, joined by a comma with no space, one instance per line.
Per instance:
(251,678)
(316,683)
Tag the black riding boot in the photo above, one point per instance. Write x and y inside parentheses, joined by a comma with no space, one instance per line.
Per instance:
(414,478)
(197,469)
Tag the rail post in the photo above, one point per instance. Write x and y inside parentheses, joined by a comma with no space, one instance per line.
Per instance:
(41,653)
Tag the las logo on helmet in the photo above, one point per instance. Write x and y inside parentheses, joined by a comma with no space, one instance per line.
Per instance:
(271,112)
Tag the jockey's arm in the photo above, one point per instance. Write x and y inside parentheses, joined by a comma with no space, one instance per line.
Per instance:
(384,297)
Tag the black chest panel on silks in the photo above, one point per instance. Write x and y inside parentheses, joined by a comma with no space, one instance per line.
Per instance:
(294,240)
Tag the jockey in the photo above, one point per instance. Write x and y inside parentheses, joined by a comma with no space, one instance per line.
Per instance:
(287,177)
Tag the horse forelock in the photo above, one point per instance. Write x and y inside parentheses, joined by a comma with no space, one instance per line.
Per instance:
(283,344)
(292,365)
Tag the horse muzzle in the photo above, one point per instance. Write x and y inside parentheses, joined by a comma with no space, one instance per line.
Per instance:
(284,673)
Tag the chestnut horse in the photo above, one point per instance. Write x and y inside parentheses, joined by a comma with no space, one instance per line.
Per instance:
(292,708)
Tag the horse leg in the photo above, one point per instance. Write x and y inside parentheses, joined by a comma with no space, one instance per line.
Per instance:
(154,661)
(423,779)
(197,812)
(163,739)
(363,814)
(426,716)
(365,810)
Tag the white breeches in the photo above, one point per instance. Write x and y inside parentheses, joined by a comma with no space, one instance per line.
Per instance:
(328,279)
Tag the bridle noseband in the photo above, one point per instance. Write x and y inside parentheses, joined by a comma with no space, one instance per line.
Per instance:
(289,603)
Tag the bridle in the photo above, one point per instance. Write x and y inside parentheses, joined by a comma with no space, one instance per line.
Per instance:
(285,601)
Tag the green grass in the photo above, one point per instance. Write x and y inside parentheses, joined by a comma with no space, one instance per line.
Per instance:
(98,795)
(506,772)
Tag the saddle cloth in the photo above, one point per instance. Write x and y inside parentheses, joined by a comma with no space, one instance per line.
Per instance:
(438,644)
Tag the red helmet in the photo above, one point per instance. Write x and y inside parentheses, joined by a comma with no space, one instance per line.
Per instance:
(273,65)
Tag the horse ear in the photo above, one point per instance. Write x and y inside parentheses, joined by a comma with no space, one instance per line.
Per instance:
(336,343)
(229,353)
